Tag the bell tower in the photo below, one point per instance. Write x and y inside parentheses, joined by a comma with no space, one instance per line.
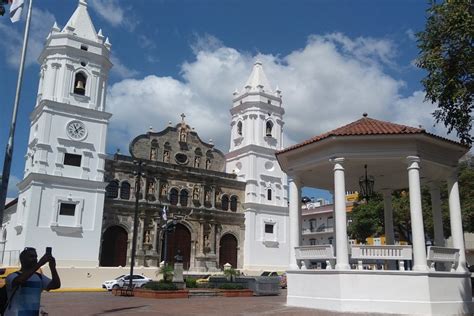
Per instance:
(61,196)
(257,125)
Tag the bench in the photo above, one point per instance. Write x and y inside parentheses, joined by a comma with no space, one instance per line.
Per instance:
(315,252)
(442,254)
(399,253)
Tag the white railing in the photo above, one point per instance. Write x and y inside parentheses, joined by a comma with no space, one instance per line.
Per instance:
(442,254)
(315,252)
(387,252)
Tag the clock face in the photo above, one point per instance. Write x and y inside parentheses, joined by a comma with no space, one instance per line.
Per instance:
(76,130)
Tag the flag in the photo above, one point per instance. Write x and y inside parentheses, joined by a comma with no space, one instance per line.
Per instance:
(165,217)
(15,10)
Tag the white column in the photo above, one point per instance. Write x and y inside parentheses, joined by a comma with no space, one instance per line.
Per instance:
(388,217)
(342,255)
(437,216)
(295,233)
(456,220)
(418,235)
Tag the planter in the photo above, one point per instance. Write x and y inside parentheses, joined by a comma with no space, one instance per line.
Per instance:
(236,293)
(160,294)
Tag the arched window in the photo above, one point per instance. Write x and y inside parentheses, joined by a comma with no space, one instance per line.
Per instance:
(269,194)
(173,196)
(239,128)
(268,129)
(125,191)
(183,198)
(225,203)
(112,189)
(80,81)
(233,204)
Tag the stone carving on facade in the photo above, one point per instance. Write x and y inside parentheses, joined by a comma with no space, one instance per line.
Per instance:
(197,162)
(196,192)
(164,190)
(208,163)
(153,154)
(147,239)
(151,187)
(166,156)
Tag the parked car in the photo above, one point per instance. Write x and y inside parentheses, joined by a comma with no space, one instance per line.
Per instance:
(123,280)
(283,281)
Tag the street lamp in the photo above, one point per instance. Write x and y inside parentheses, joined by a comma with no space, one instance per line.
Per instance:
(139,165)
(366,184)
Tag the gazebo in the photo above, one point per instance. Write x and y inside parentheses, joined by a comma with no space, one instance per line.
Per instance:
(397,157)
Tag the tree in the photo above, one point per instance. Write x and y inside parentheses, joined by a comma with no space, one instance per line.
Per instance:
(446,53)
(366,220)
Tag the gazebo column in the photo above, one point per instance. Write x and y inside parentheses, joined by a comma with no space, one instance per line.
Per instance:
(456,220)
(418,235)
(294,212)
(342,255)
(437,216)
(388,217)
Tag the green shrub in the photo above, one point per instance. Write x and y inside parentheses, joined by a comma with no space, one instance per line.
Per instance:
(191,283)
(167,272)
(160,286)
(231,286)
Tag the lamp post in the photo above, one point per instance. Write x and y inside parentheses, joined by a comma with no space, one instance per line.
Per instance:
(366,184)
(139,165)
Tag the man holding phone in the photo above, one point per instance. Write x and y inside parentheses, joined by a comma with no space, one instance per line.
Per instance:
(25,286)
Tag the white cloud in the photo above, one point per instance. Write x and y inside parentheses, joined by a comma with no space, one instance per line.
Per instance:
(12,37)
(411,34)
(329,82)
(121,70)
(114,13)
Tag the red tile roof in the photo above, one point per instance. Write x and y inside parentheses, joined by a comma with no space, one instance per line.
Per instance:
(365,126)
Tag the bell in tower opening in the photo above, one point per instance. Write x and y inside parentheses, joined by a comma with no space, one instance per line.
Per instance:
(80,84)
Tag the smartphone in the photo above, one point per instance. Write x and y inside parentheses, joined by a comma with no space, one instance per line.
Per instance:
(49,250)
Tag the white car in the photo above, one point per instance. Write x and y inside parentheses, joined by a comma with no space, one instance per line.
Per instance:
(123,281)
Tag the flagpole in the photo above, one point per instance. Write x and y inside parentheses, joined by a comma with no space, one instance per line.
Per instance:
(9,150)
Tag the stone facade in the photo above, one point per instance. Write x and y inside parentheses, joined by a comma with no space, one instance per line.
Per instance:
(185,175)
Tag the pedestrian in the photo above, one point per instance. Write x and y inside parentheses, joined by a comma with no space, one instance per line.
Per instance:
(24,287)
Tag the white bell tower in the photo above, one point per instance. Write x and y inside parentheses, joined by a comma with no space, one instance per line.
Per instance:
(61,197)
(257,124)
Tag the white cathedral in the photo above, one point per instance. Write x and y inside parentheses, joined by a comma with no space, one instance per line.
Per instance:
(61,197)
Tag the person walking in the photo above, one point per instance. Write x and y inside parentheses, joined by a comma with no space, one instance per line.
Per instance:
(24,287)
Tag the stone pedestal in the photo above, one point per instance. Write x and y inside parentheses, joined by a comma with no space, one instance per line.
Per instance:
(178,279)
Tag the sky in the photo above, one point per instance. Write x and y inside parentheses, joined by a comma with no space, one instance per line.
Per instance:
(333,61)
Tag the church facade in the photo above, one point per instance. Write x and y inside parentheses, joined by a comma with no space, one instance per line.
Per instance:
(184,176)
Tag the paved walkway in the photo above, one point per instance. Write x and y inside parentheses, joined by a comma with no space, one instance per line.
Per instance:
(103,303)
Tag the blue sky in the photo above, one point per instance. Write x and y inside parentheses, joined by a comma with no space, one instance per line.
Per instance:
(333,60)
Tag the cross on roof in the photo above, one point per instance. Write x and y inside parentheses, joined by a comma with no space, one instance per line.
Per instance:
(182,117)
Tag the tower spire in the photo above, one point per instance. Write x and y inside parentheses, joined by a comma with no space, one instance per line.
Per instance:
(81,24)
(258,80)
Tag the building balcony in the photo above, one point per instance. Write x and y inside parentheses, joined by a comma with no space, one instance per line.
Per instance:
(319,230)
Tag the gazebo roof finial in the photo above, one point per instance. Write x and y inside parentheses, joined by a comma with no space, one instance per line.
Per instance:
(365,114)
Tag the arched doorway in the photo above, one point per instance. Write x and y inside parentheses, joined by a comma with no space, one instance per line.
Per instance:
(228,250)
(114,247)
(178,239)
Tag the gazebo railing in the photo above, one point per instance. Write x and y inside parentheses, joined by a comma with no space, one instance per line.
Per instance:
(400,253)
(315,252)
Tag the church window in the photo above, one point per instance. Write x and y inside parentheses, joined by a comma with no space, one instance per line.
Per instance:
(181,158)
(269,228)
(125,191)
(183,198)
(72,160)
(67,209)
(225,203)
(269,194)
(84,47)
(80,83)
(111,190)
(233,204)
(312,242)
(83,63)
(268,129)
(239,128)
(173,196)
